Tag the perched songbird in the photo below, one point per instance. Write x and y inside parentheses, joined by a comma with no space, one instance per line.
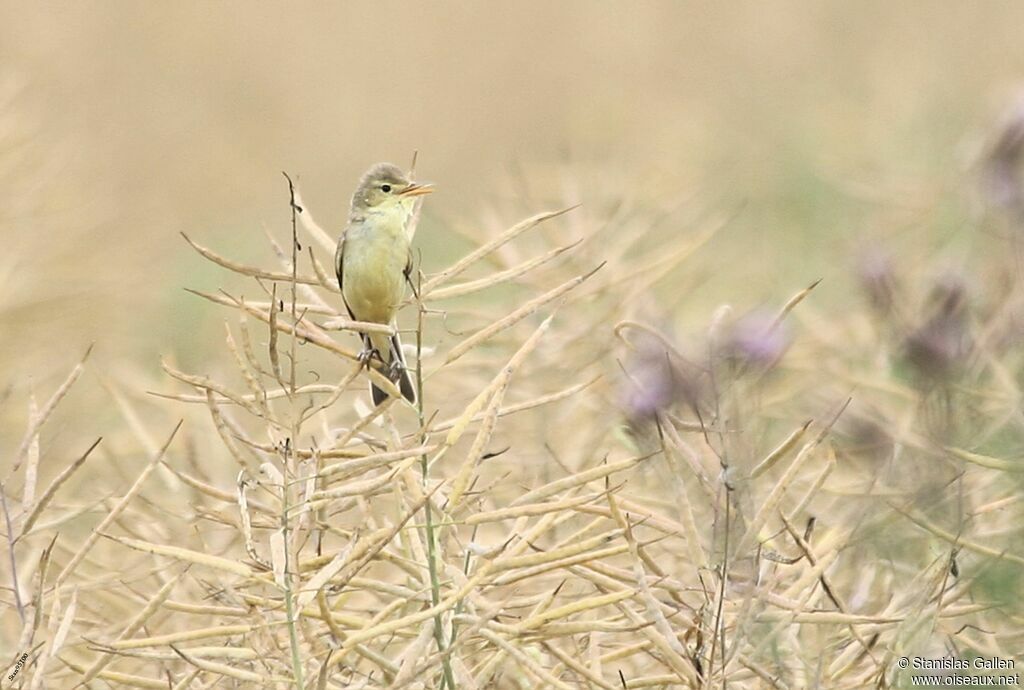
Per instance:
(373,262)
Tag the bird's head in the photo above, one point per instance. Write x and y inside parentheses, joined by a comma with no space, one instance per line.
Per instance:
(385,187)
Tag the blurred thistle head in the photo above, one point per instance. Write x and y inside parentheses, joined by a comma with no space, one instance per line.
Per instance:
(383,188)
(1002,175)
(937,348)
(655,381)
(948,296)
(755,340)
(861,432)
(877,278)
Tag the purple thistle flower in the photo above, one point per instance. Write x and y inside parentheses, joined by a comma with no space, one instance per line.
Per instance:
(877,279)
(756,339)
(656,380)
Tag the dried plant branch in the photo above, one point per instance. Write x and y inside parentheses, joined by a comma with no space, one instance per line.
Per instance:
(39,419)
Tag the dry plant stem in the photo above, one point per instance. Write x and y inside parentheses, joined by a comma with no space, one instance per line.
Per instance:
(151,607)
(14,560)
(40,419)
(496,390)
(255,385)
(115,511)
(723,577)
(472,286)
(36,510)
(276,276)
(829,590)
(529,404)
(309,332)
(32,466)
(522,312)
(290,468)
(435,585)
(462,264)
(260,397)
(792,302)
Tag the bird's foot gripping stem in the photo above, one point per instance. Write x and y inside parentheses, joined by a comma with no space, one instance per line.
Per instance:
(367,355)
(394,370)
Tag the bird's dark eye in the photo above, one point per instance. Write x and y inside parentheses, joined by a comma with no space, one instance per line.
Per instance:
(385,188)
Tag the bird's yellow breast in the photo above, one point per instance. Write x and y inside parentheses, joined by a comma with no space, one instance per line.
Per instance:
(373,263)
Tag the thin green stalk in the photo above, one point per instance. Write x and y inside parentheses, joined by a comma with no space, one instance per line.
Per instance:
(289,602)
(435,584)
(465,571)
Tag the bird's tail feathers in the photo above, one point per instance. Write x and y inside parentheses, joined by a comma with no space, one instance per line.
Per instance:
(394,369)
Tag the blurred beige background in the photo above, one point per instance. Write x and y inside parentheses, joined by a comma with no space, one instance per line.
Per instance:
(126,123)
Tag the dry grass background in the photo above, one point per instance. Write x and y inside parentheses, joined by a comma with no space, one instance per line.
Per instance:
(615,480)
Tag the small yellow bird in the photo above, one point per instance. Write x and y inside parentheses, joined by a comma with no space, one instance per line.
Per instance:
(373,262)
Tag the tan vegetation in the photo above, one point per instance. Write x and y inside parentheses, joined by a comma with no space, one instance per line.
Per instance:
(715,536)
(612,478)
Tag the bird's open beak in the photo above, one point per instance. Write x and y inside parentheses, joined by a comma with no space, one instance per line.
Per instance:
(418,189)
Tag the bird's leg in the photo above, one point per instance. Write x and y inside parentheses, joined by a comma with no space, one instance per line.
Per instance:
(394,370)
(368,354)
